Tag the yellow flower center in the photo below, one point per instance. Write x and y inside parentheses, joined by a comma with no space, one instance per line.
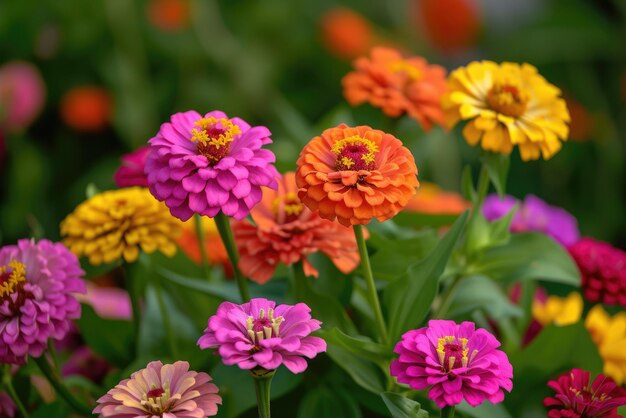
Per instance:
(355,153)
(263,327)
(453,352)
(11,281)
(155,401)
(287,208)
(507,99)
(404,67)
(214,137)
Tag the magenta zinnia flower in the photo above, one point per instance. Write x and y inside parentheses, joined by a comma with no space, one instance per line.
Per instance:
(533,214)
(456,361)
(170,390)
(576,397)
(259,334)
(7,406)
(37,282)
(131,172)
(84,362)
(603,271)
(210,164)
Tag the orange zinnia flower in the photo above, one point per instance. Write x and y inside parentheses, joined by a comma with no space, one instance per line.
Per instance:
(86,108)
(398,85)
(216,252)
(346,33)
(287,232)
(356,174)
(431,199)
(449,25)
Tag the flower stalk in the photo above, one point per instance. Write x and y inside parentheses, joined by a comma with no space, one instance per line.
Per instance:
(202,247)
(447,412)
(226,233)
(7,382)
(60,388)
(371,285)
(262,383)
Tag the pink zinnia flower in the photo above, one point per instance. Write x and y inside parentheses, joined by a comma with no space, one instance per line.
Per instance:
(169,391)
(576,397)
(210,164)
(131,172)
(22,94)
(84,362)
(37,282)
(259,334)
(7,406)
(456,361)
(603,271)
(108,302)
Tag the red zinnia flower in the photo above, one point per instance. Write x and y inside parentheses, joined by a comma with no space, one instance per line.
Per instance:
(346,33)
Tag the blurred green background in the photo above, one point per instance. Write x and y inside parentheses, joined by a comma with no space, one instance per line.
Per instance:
(279,63)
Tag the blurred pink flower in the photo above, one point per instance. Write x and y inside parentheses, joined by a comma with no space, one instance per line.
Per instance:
(108,302)
(7,406)
(84,362)
(22,95)
(131,172)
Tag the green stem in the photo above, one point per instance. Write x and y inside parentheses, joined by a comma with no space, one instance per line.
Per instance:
(447,412)
(7,381)
(371,285)
(135,304)
(446,298)
(203,254)
(298,279)
(226,233)
(61,390)
(262,384)
(483,188)
(167,324)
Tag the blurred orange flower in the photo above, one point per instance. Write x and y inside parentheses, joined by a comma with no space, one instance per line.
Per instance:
(287,232)
(86,108)
(431,199)
(448,24)
(346,33)
(216,252)
(356,174)
(169,15)
(398,85)
(581,123)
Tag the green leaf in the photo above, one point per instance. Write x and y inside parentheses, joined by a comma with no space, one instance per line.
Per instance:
(365,373)
(359,346)
(408,298)
(325,402)
(393,256)
(327,309)
(112,339)
(423,220)
(527,256)
(467,182)
(403,407)
(482,234)
(479,292)
(498,169)
(484,410)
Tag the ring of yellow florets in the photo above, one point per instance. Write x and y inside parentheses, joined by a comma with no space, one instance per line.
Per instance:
(10,282)
(289,205)
(402,66)
(355,153)
(214,137)
(507,99)
(263,327)
(453,353)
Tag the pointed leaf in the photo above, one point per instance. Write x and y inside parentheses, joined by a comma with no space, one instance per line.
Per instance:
(402,407)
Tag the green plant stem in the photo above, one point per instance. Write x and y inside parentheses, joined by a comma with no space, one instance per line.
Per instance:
(201,245)
(60,389)
(135,304)
(262,385)
(298,279)
(7,382)
(447,412)
(483,188)
(167,324)
(371,285)
(446,298)
(226,233)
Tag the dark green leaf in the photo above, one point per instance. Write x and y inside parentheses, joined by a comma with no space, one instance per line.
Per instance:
(393,256)
(467,182)
(359,346)
(498,169)
(365,373)
(327,309)
(408,298)
(112,339)
(403,407)
(325,402)
(484,410)
(479,292)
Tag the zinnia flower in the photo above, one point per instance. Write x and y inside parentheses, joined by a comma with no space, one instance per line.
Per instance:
(86,108)
(131,172)
(356,174)
(84,362)
(505,105)
(285,231)
(37,283)
(108,302)
(397,85)
(533,214)
(117,223)
(210,164)
(346,33)
(430,199)
(456,361)
(557,310)
(259,334)
(609,334)
(603,271)
(449,25)
(216,252)
(22,95)
(170,390)
(7,406)
(169,15)
(576,397)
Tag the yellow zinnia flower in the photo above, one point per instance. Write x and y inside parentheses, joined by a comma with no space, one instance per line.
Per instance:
(609,334)
(559,311)
(117,223)
(505,105)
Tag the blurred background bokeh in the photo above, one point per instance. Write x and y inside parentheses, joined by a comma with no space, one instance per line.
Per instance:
(82,82)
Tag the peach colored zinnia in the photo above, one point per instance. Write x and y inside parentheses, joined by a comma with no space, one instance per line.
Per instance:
(356,174)
(170,390)
(397,85)
(288,232)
